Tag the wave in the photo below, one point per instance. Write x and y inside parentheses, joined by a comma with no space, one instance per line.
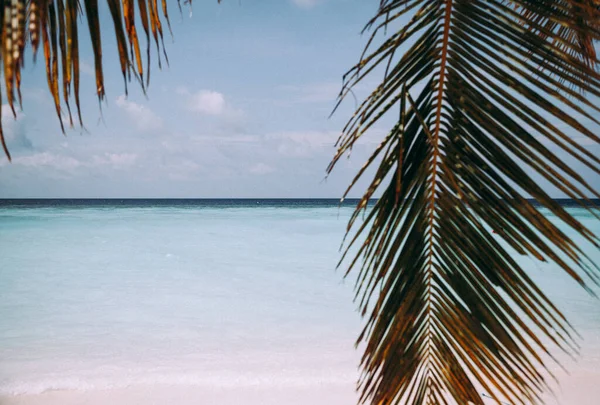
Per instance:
(221,380)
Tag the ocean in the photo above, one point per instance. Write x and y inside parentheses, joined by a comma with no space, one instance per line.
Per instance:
(202,302)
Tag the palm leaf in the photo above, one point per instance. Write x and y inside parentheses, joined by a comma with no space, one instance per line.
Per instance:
(481,87)
(54,24)
(478,85)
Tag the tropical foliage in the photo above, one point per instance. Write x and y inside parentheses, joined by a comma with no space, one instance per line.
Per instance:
(486,92)
(54,25)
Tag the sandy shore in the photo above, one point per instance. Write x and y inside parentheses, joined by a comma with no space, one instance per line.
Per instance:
(184,395)
(579,388)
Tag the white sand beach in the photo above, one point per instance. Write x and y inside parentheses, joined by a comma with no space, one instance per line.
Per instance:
(578,388)
(220,306)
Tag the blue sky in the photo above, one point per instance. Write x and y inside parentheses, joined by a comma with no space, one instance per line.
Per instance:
(242,110)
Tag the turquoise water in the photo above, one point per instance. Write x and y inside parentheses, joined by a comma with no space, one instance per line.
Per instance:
(107,296)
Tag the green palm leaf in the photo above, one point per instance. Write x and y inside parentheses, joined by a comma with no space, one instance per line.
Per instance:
(481,87)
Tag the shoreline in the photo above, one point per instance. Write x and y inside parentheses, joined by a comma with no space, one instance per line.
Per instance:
(580,387)
(334,394)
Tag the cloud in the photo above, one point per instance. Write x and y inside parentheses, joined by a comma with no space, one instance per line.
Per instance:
(116,160)
(7,112)
(14,131)
(306,3)
(213,106)
(64,162)
(313,144)
(189,163)
(326,92)
(302,143)
(143,118)
(229,140)
(207,102)
(261,168)
(48,160)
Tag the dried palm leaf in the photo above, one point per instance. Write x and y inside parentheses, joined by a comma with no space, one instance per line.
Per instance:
(55,24)
(482,87)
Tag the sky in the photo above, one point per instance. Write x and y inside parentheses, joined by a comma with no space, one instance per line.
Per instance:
(241,111)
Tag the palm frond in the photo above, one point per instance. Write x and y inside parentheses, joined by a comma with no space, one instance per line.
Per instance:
(54,24)
(482,87)
(574,25)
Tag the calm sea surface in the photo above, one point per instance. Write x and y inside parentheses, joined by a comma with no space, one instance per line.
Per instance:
(109,294)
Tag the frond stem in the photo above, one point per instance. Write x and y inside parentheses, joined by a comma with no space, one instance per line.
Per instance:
(435,157)
(436,133)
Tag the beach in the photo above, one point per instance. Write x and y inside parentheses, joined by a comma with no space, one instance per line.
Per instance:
(578,388)
(205,304)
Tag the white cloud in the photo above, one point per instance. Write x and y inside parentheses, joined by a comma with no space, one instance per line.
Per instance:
(14,131)
(48,159)
(306,3)
(213,103)
(207,102)
(326,92)
(117,160)
(7,113)
(261,168)
(303,143)
(61,161)
(227,140)
(144,119)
